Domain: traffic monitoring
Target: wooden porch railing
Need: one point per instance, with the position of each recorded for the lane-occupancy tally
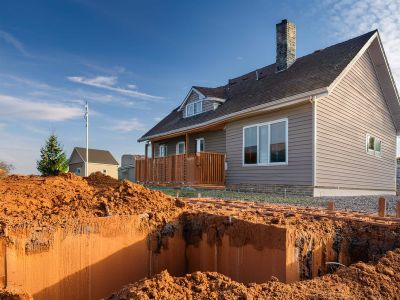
(192, 168)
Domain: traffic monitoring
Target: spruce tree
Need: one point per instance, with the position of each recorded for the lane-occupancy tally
(53, 160)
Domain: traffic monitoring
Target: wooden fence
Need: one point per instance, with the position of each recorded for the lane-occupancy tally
(192, 168)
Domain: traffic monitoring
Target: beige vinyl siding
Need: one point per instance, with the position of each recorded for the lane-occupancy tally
(214, 141)
(75, 157)
(207, 104)
(355, 108)
(192, 98)
(74, 166)
(171, 146)
(298, 171)
(110, 170)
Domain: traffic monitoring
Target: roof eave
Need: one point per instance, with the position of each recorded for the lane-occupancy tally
(283, 102)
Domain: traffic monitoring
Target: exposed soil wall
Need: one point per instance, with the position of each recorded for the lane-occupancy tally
(87, 262)
(359, 281)
(68, 237)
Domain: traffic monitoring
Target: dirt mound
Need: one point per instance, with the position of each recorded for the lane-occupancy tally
(359, 281)
(100, 180)
(35, 201)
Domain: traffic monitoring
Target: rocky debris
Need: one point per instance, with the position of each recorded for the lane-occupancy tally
(359, 281)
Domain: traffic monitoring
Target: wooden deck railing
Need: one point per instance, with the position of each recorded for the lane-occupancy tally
(192, 168)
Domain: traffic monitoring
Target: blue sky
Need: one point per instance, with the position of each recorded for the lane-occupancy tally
(134, 61)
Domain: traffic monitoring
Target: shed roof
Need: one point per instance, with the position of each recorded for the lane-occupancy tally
(97, 156)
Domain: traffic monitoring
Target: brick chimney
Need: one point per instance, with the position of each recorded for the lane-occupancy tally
(285, 45)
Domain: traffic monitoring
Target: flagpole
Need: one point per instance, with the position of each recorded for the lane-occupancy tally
(87, 139)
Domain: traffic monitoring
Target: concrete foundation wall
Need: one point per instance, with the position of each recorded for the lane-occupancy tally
(275, 189)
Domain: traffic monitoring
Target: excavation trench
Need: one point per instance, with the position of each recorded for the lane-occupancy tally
(91, 261)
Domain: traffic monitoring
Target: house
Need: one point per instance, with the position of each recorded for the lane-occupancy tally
(99, 161)
(324, 124)
(127, 169)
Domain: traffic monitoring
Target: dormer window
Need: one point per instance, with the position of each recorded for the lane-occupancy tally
(194, 108)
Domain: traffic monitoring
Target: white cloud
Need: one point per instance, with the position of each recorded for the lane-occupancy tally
(349, 18)
(128, 125)
(42, 91)
(132, 86)
(32, 110)
(102, 80)
(8, 38)
(127, 92)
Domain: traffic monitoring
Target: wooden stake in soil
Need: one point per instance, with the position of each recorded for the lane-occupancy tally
(398, 209)
(381, 207)
(331, 205)
(177, 194)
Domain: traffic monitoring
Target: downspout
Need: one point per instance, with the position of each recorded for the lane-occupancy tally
(314, 142)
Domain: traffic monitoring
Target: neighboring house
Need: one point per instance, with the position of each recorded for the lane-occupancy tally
(127, 169)
(99, 161)
(323, 124)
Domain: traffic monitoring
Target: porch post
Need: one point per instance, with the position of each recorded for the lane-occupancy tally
(185, 165)
(187, 143)
(146, 146)
(146, 150)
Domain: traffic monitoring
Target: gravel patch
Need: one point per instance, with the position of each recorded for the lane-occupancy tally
(368, 204)
(365, 204)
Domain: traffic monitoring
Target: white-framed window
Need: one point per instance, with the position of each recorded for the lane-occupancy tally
(162, 150)
(266, 143)
(200, 145)
(194, 108)
(198, 107)
(373, 145)
(180, 148)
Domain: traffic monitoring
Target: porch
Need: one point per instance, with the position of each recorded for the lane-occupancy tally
(202, 168)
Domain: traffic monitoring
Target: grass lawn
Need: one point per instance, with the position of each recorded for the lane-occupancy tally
(245, 196)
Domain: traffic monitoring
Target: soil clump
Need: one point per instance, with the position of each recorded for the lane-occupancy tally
(358, 281)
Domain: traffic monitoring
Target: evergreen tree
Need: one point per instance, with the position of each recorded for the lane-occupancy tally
(53, 159)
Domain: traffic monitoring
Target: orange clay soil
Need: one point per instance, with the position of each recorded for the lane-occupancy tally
(359, 281)
(37, 202)
(14, 294)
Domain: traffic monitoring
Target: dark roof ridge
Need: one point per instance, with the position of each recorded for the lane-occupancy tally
(231, 80)
(310, 72)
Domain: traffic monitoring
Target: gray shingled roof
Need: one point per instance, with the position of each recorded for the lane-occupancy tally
(308, 73)
(97, 156)
(218, 92)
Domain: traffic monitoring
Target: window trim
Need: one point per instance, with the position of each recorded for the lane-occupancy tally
(197, 145)
(177, 148)
(286, 120)
(165, 150)
(373, 152)
(193, 104)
